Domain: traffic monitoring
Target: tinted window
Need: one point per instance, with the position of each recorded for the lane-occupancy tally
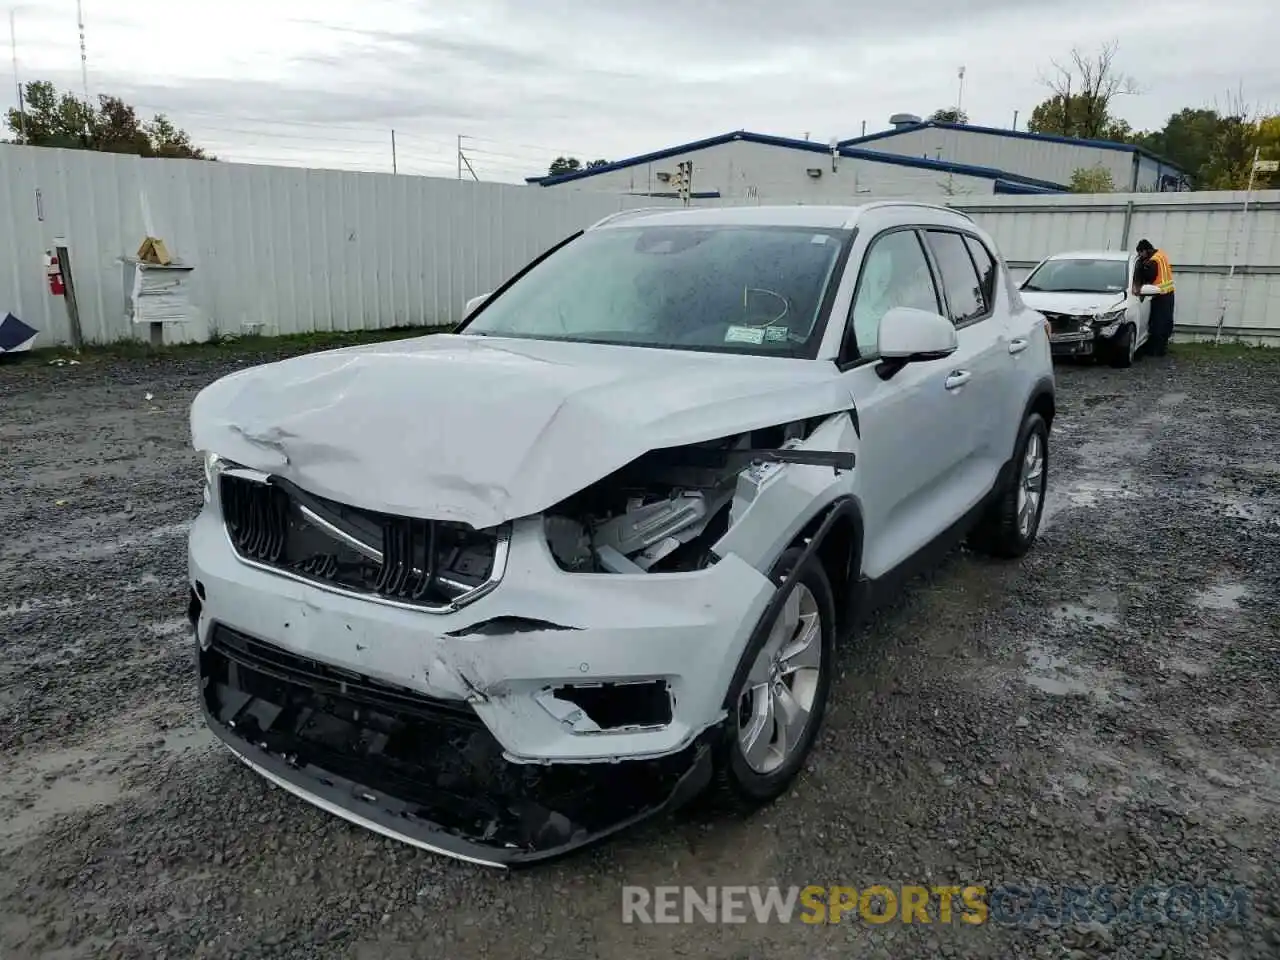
(964, 289)
(986, 270)
(1079, 276)
(895, 273)
(742, 289)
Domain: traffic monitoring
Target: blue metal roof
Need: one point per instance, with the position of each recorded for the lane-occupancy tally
(1012, 134)
(809, 146)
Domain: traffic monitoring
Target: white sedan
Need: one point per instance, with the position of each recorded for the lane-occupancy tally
(1088, 299)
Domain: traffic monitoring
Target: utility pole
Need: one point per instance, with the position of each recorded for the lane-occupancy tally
(463, 161)
(393, 152)
(22, 109)
(1015, 119)
(1254, 168)
(84, 64)
(960, 93)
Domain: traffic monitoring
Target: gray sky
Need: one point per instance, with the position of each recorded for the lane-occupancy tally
(323, 82)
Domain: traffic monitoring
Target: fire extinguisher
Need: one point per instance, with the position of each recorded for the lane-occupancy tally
(54, 272)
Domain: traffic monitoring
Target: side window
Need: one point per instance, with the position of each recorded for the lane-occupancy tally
(895, 273)
(986, 265)
(959, 277)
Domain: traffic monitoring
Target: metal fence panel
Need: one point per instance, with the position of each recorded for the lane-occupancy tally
(283, 250)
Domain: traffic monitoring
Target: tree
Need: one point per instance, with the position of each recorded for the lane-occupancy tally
(949, 115)
(54, 119)
(1081, 96)
(1095, 179)
(1186, 138)
(562, 165)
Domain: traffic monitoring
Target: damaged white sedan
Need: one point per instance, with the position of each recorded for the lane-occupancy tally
(502, 592)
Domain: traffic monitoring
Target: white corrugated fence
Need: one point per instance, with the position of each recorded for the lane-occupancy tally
(282, 250)
(1201, 232)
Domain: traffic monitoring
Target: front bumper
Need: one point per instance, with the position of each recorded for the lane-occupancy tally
(418, 770)
(1084, 342)
(499, 683)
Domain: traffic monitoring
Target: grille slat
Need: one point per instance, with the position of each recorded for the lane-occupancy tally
(432, 563)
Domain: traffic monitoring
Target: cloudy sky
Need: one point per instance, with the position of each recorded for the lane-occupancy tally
(323, 82)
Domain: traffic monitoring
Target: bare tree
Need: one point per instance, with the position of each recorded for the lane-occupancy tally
(1082, 94)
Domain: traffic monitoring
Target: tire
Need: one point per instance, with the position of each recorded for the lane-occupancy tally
(1125, 347)
(1000, 532)
(750, 776)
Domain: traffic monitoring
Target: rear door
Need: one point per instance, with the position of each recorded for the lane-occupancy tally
(910, 424)
(984, 357)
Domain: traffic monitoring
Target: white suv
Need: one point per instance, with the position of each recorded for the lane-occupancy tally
(501, 592)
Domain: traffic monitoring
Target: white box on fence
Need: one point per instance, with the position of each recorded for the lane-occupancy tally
(155, 293)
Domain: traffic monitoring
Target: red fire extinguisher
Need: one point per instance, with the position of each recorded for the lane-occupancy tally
(54, 272)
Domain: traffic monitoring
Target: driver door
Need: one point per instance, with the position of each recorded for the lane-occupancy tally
(910, 423)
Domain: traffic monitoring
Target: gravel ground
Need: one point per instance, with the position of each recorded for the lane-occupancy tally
(1103, 712)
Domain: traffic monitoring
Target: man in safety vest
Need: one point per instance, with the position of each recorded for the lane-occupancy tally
(1154, 268)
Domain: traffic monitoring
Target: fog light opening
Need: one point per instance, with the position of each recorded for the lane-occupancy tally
(618, 706)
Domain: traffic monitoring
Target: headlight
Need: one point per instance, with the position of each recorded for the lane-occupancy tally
(212, 466)
(1107, 319)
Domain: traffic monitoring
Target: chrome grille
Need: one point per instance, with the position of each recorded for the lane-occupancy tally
(429, 564)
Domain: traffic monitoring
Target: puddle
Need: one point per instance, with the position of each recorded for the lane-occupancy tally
(1053, 674)
(1241, 508)
(1097, 609)
(178, 626)
(50, 785)
(1225, 596)
(1089, 492)
(1186, 667)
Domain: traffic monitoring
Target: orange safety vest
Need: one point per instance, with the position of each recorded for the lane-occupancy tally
(1164, 272)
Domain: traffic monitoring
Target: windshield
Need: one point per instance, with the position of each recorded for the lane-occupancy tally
(1079, 276)
(757, 289)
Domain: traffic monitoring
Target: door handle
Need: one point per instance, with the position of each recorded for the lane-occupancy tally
(957, 378)
(1017, 345)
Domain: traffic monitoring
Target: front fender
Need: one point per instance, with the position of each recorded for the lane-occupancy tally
(774, 503)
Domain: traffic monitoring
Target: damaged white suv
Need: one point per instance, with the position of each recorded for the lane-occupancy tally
(501, 592)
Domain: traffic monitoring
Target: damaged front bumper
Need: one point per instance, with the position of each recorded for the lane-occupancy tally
(423, 771)
(549, 713)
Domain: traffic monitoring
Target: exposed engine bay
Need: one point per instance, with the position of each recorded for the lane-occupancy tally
(662, 512)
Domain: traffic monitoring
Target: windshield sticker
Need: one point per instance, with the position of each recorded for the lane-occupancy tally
(775, 334)
(820, 238)
(744, 335)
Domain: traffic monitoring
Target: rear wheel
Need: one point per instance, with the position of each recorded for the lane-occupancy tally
(1009, 527)
(779, 692)
(1125, 347)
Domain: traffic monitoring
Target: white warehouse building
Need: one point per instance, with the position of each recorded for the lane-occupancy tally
(913, 159)
(752, 166)
(1044, 156)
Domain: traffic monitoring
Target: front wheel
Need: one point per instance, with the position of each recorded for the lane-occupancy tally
(779, 693)
(1009, 527)
(1125, 347)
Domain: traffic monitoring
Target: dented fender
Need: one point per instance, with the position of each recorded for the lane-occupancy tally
(774, 503)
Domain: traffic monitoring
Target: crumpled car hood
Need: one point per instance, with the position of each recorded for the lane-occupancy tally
(1074, 304)
(483, 429)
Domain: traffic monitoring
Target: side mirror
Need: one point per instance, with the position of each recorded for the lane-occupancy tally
(908, 335)
(474, 304)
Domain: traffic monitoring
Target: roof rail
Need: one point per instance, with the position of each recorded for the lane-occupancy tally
(916, 203)
(627, 213)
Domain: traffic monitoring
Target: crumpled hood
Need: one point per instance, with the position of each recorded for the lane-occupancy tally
(1074, 304)
(484, 429)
